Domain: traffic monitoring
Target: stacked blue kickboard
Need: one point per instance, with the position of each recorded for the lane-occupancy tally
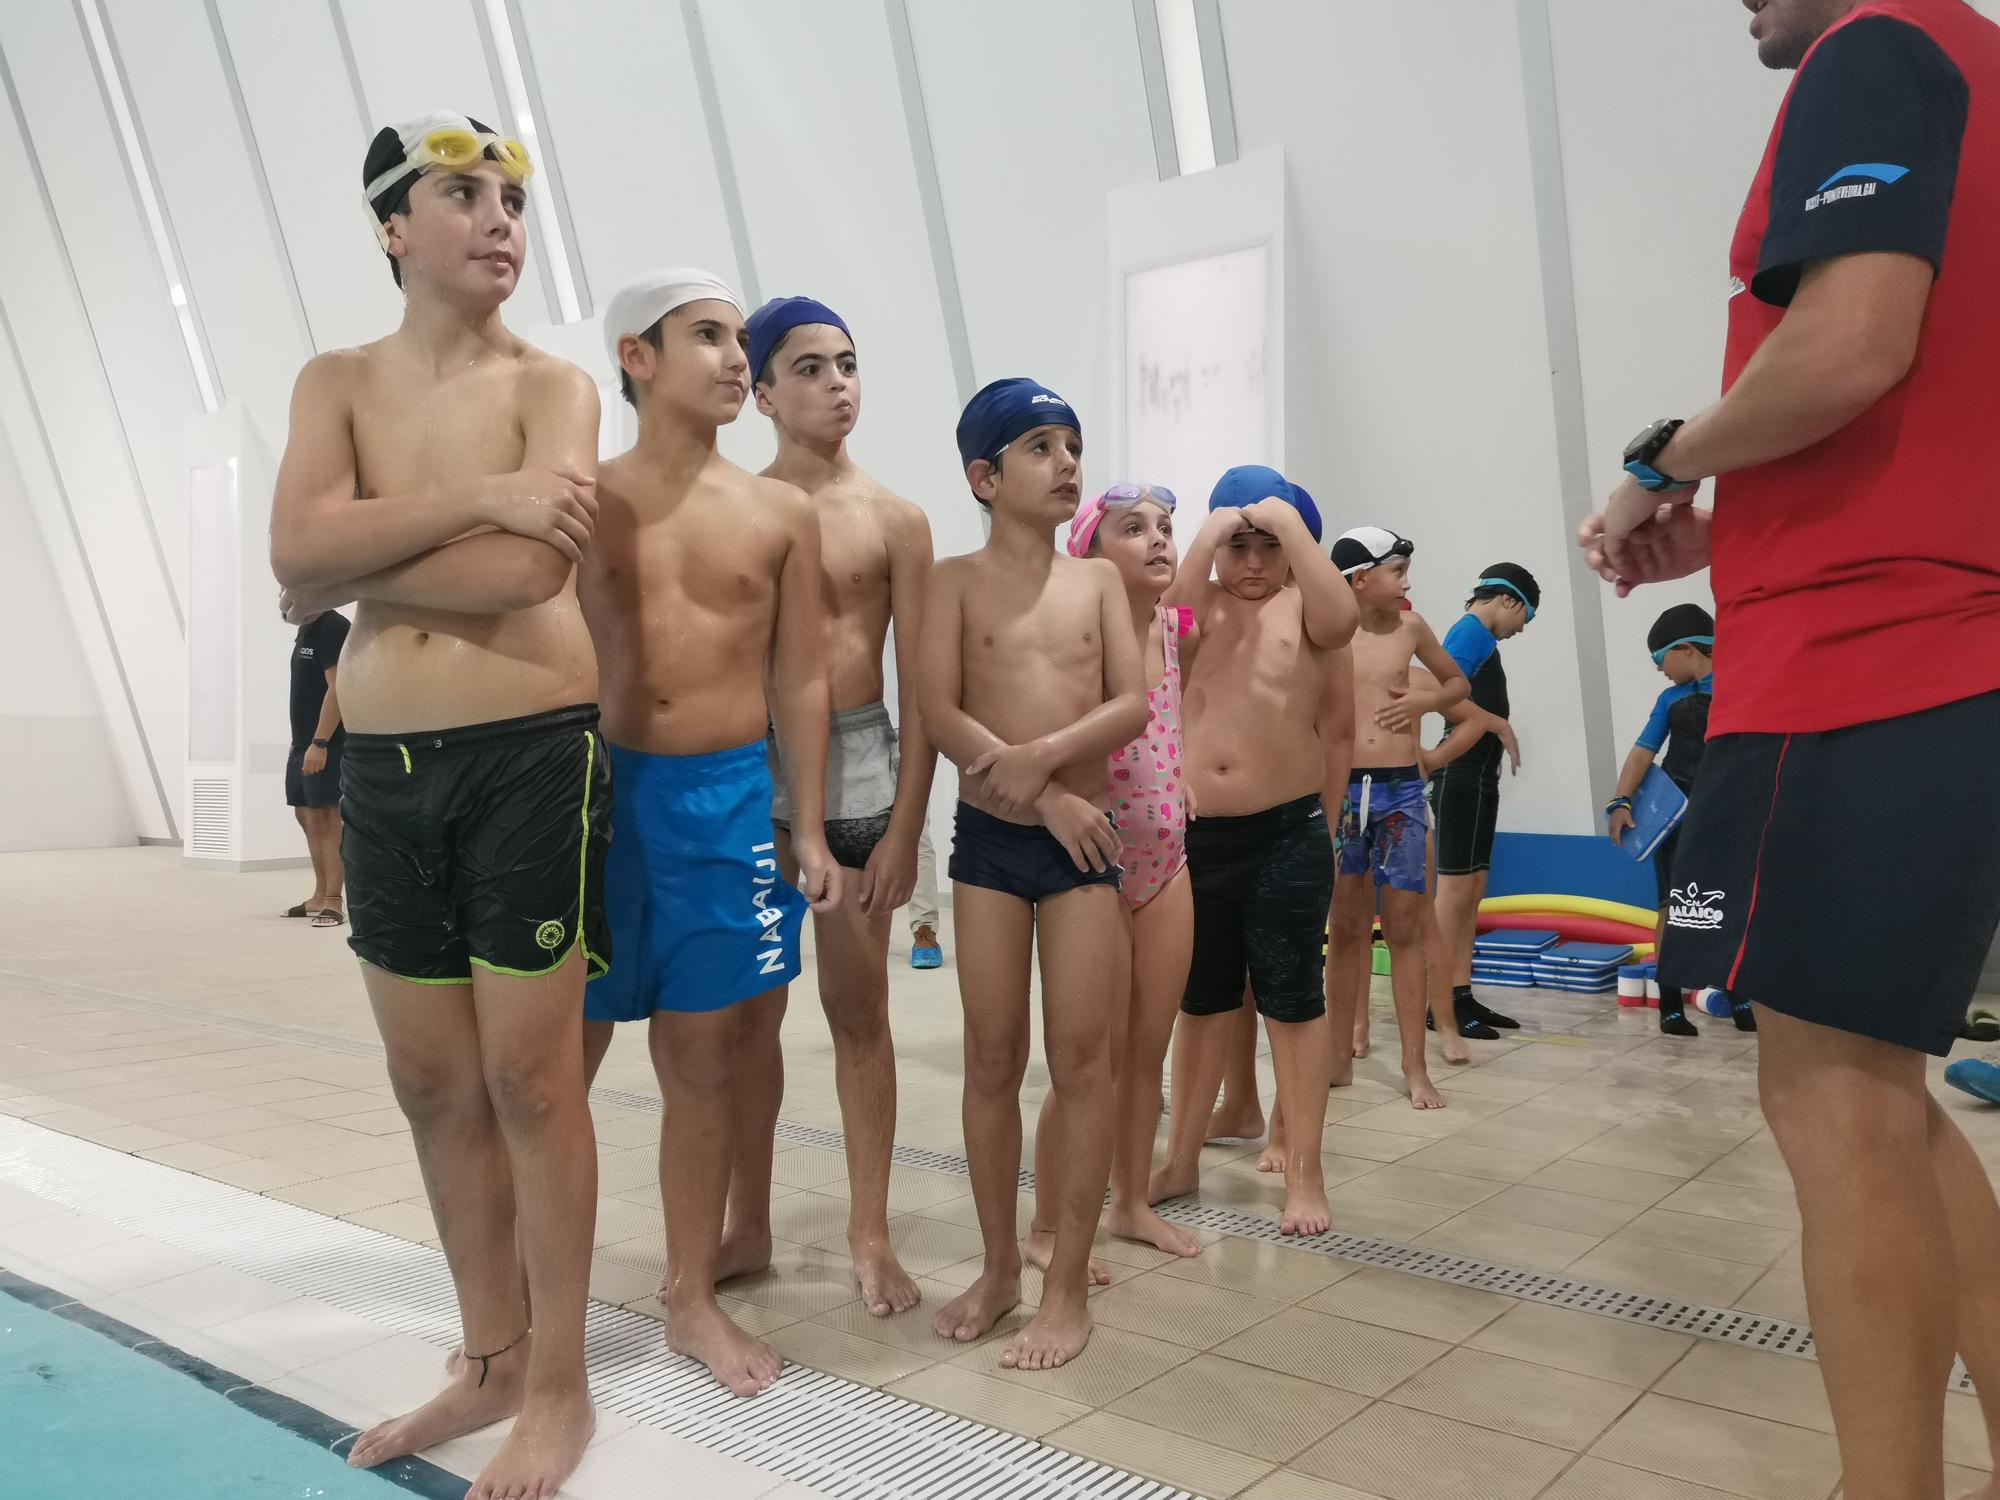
(1582, 968)
(1508, 959)
(1524, 960)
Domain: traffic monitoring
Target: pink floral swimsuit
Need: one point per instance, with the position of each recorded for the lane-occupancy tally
(1148, 785)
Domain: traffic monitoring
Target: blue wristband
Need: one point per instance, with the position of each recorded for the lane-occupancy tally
(1652, 479)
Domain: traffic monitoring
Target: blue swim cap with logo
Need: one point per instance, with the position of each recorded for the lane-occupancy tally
(1004, 410)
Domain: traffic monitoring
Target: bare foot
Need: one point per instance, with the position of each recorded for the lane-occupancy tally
(1273, 1157)
(1343, 1071)
(885, 1286)
(1305, 1205)
(1243, 1124)
(703, 1331)
(1040, 1248)
(1360, 1043)
(462, 1406)
(1173, 1180)
(1984, 1492)
(1423, 1093)
(1054, 1336)
(973, 1312)
(541, 1452)
(1455, 1051)
(1147, 1227)
(741, 1254)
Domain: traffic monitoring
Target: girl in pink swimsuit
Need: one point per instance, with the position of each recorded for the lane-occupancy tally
(1132, 526)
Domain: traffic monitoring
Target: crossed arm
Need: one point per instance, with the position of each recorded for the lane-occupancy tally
(428, 548)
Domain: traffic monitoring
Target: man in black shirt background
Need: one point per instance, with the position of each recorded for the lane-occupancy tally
(312, 770)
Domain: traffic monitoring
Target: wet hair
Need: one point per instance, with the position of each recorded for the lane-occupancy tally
(652, 336)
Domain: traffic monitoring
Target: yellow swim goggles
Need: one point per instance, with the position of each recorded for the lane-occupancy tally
(453, 149)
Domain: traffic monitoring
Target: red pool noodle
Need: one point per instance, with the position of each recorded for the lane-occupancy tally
(1574, 929)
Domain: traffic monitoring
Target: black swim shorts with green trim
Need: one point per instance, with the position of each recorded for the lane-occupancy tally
(479, 845)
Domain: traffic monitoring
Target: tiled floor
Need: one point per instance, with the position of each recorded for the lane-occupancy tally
(1587, 1145)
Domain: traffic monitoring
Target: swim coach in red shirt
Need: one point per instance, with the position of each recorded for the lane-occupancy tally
(1840, 865)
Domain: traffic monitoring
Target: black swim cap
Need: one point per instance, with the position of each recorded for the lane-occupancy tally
(1681, 623)
(1505, 578)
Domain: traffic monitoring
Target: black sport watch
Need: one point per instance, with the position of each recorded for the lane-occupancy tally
(1643, 449)
(324, 744)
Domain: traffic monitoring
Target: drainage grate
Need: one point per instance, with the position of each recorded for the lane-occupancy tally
(843, 1439)
(1726, 1325)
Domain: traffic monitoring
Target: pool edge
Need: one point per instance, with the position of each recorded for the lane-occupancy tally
(416, 1475)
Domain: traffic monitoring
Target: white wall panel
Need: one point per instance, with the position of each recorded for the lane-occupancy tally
(312, 139)
(208, 182)
(619, 92)
(65, 395)
(62, 787)
(1654, 187)
(1034, 121)
(111, 250)
(1417, 281)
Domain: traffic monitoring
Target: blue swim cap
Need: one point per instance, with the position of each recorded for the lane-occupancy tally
(1246, 484)
(769, 324)
(1004, 410)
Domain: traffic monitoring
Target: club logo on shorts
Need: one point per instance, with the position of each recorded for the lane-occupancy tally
(549, 936)
(1695, 908)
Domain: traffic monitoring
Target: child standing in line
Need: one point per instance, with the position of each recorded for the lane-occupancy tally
(1682, 641)
(1132, 525)
(1385, 829)
(1030, 680)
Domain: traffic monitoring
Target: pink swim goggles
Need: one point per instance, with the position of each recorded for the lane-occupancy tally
(1090, 514)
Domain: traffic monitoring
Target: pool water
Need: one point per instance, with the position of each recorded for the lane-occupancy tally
(82, 1414)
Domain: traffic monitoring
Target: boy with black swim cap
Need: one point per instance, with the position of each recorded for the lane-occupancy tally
(442, 477)
(1031, 679)
(1682, 644)
(1466, 793)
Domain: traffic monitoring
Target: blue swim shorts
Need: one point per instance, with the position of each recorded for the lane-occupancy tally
(701, 917)
(1383, 826)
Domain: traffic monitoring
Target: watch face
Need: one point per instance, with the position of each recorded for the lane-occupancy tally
(1646, 443)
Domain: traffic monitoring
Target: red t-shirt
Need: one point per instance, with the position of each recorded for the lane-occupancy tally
(1859, 579)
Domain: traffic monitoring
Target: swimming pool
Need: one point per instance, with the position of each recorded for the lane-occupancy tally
(93, 1408)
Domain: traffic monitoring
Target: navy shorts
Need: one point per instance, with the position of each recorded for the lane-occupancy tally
(1016, 859)
(1808, 880)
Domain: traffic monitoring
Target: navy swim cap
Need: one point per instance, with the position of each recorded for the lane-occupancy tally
(769, 324)
(1246, 484)
(1004, 410)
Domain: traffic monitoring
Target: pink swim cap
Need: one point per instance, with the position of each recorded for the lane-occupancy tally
(1090, 512)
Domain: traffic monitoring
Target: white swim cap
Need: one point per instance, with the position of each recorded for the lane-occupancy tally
(641, 303)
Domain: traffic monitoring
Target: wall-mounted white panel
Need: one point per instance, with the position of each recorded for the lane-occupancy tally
(208, 181)
(1415, 282)
(132, 321)
(58, 389)
(619, 95)
(313, 139)
(61, 788)
(1654, 191)
(1197, 372)
(1034, 121)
